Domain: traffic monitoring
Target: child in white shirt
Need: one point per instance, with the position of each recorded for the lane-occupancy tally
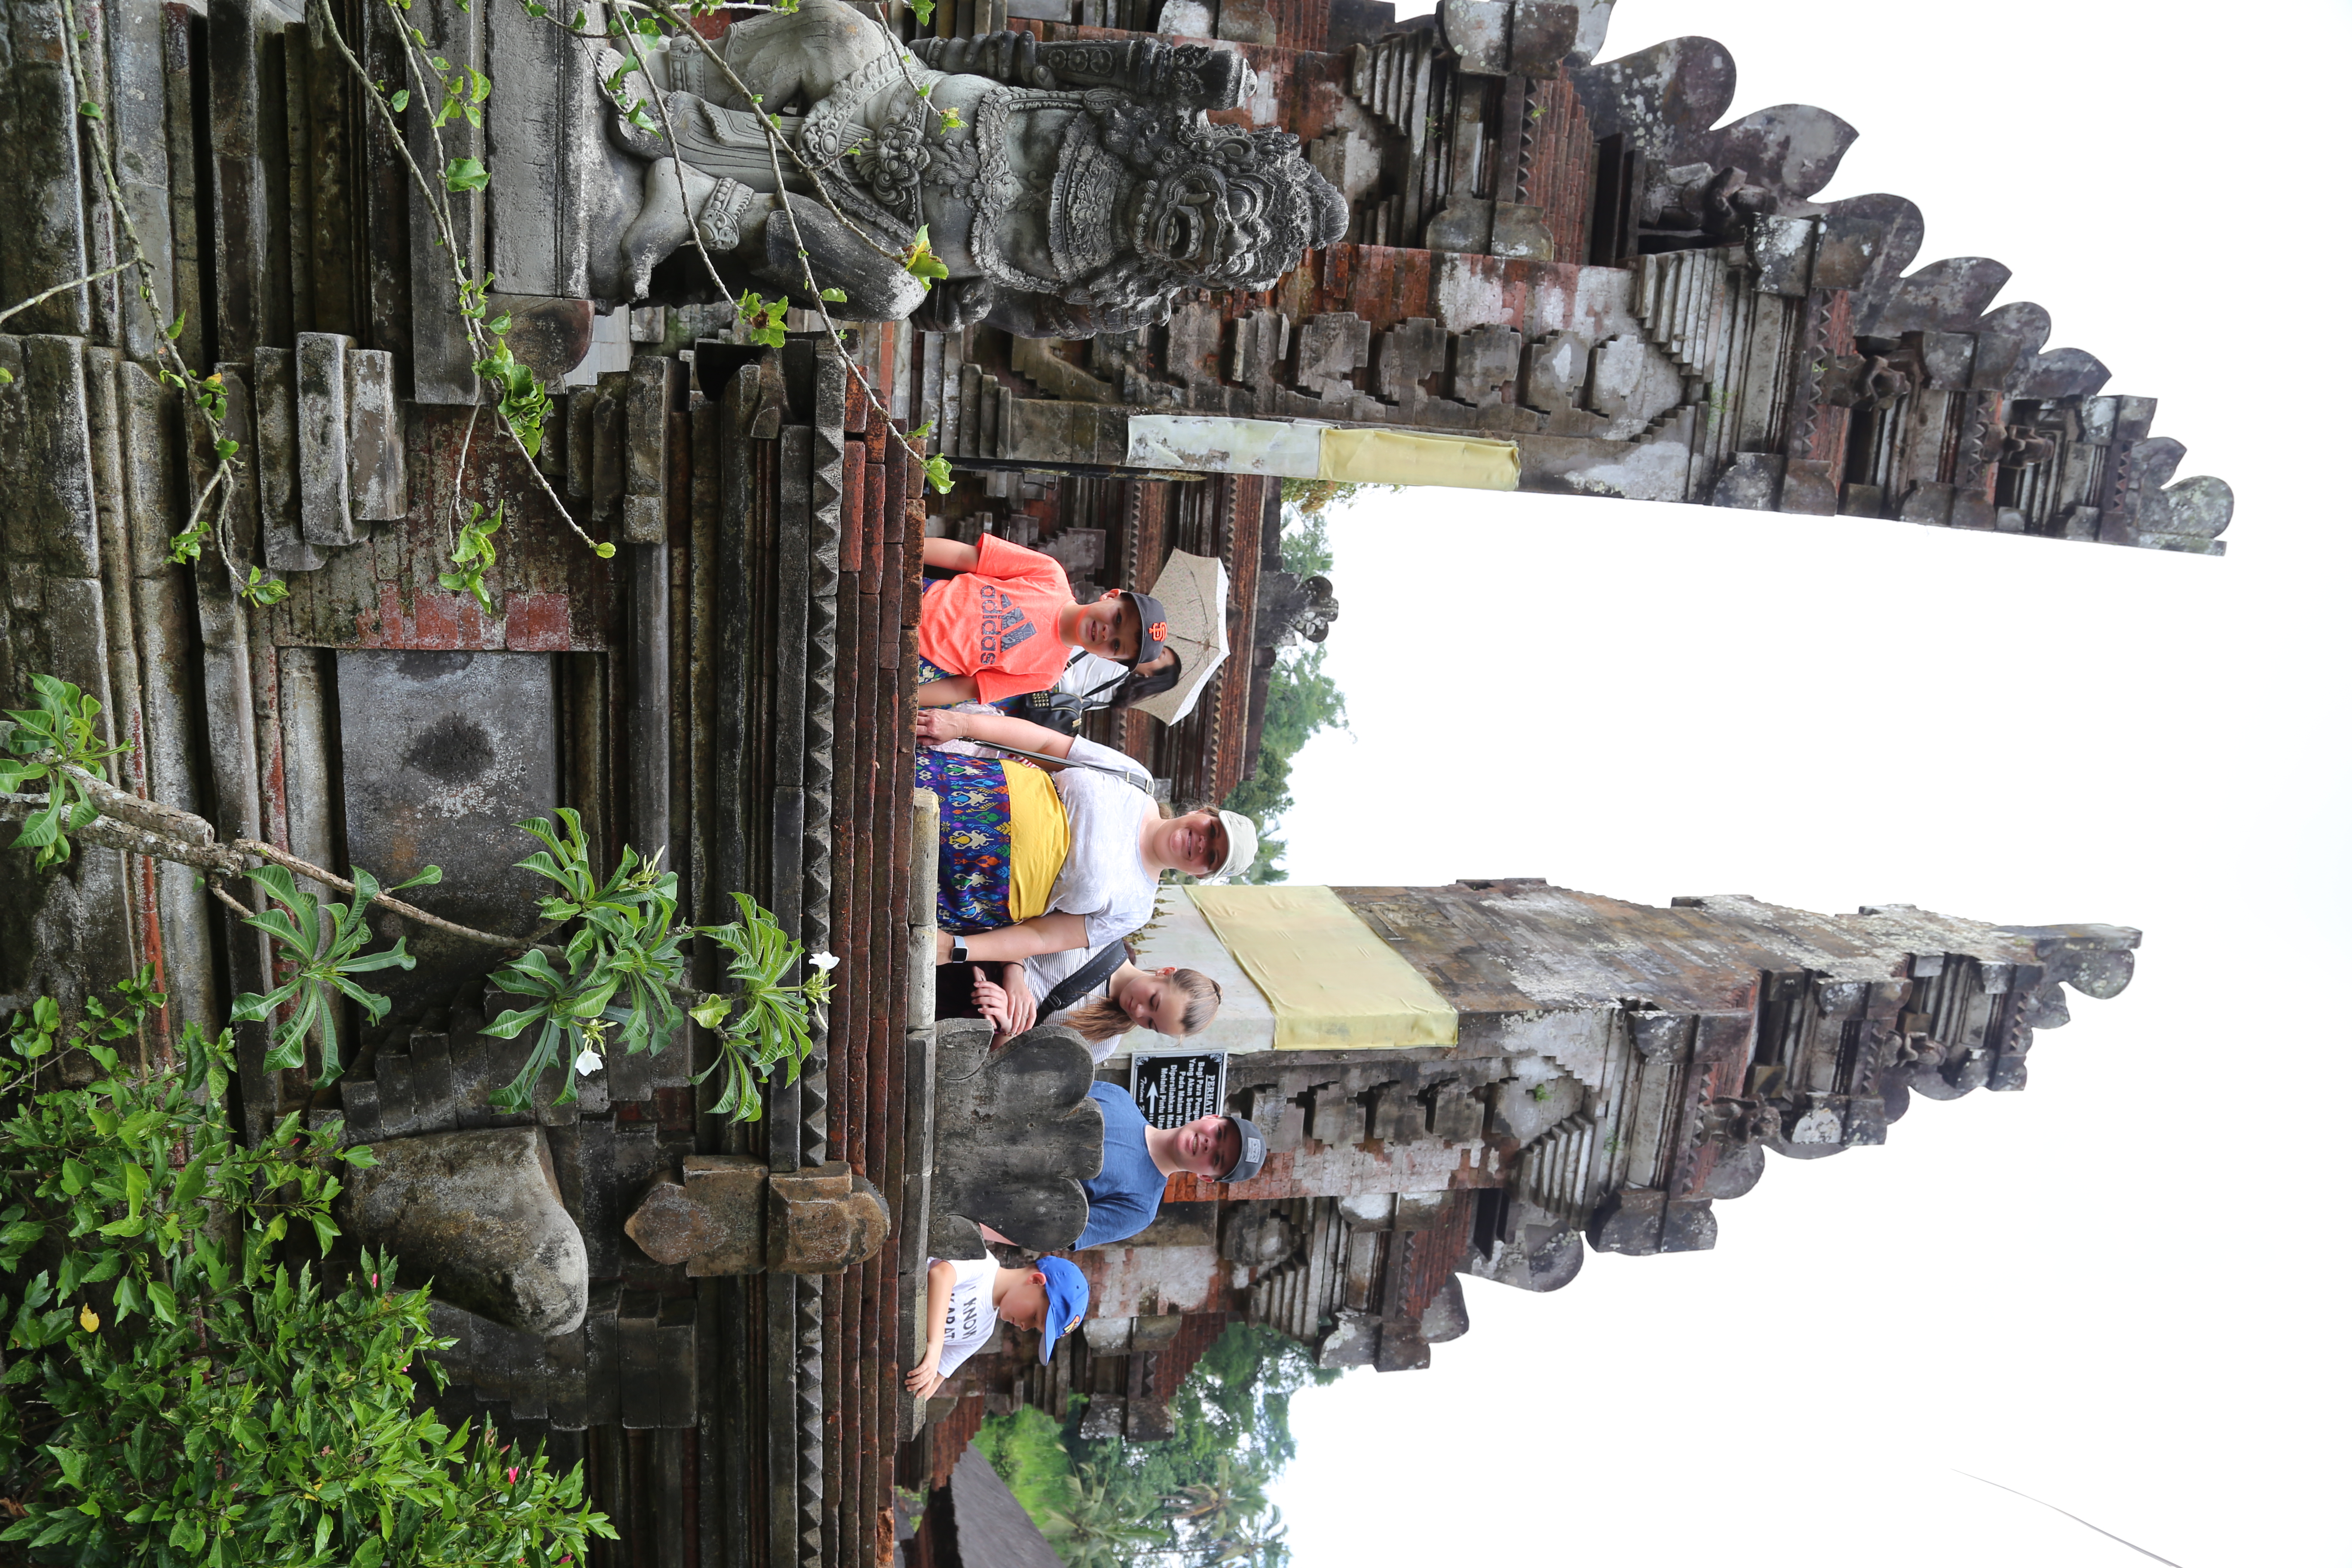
(968, 1296)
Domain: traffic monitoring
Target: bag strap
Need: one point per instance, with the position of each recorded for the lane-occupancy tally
(1112, 684)
(1098, 969)
(1138, 780)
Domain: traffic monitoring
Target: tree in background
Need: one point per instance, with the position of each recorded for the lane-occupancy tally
(1197, 1498)
(1301, 701)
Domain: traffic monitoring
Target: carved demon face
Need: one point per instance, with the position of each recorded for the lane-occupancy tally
(1205, 206)
(1237, 213)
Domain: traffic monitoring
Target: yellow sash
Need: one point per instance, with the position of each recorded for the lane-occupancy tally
(1038, 836)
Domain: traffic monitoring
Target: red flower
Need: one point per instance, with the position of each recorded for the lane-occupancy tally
(512, 1471)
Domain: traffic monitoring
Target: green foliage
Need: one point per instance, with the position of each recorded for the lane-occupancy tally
(57, 734)
(318, 951)
(770, 1022)
(1301, 701)
(462, 92)
(257, 590)
(763, 320)
(465, 175)
(475, 553)
(189, 542)
(523, 403)
(1098, 1529)
(1306, 538)
(1200, 1497)
(623, 966)
(175, 1394)
(623, 939)
(1025, 1451)
(1312, 498)
(921, 260)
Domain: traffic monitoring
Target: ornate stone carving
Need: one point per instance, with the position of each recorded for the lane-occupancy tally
(1069, 188)
(1291, 607)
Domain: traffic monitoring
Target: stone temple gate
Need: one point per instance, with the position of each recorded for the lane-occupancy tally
(1537, 268)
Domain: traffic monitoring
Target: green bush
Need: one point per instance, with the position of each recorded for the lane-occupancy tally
(1025, 1450)
(175, 1393)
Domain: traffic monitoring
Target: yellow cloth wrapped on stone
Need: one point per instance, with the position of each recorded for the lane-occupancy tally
(1038, 836)
(1412, 457)
(1330, 979)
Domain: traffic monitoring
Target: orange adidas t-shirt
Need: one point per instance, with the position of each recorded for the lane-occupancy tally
(998, 624)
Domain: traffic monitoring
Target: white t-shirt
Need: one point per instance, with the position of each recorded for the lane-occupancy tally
(1105, 879)
(1089, 671)
(971, 1312)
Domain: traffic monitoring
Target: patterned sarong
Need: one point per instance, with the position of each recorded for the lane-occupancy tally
(975, 838)
(1003, 839)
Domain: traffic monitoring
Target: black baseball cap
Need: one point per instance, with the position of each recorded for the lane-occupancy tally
(1251, 1159)
(1152, 617)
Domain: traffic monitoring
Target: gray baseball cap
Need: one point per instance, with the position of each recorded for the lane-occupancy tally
(1253, 1154)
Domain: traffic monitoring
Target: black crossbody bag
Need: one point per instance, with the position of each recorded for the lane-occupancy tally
(1062, 711)
(1093, 972)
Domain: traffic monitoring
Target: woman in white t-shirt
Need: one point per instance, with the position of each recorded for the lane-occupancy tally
(1028, 867)
(1169, 1001)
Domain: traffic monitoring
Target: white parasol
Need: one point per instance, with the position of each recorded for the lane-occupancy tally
(1191, 588)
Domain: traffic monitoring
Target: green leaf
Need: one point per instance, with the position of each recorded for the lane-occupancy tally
(523, 403)
(833, 296)
(259, 590)
(399, 100)
(466, 174)
(921, 260)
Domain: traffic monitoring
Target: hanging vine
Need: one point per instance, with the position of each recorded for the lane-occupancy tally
(205, 395)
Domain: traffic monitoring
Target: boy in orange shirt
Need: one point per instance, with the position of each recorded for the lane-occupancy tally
(1005, 624)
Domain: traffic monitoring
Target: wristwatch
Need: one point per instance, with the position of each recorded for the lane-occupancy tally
(957, 953)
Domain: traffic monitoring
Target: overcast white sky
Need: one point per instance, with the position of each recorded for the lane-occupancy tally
(2122, 1289)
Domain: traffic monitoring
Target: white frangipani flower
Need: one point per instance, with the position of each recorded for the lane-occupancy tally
(588, 1062)
(822, 962)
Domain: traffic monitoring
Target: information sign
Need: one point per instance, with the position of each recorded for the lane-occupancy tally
(1176, 1086)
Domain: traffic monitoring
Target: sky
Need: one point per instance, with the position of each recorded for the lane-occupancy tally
(2120, 1291)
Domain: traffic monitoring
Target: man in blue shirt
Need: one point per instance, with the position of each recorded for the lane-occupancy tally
(1139, 1158)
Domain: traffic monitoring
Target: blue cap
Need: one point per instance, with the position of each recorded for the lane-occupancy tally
(1065, 1300)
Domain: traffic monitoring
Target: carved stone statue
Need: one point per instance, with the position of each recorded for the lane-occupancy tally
(1290, 607)
(1069, 188)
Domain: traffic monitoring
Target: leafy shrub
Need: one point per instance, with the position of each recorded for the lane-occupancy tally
(175, 1393)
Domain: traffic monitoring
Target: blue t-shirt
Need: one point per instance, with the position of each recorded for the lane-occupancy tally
(1124, 1198)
